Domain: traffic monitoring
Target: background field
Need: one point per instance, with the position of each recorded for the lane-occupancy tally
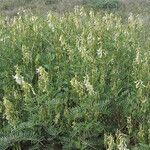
(11, 6)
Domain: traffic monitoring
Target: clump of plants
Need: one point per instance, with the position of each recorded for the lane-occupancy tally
(74, 81)
(104, 4)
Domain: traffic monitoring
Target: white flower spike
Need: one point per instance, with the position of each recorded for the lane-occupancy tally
(19, 79)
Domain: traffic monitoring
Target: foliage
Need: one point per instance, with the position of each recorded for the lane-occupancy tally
(74, 81)
(105, 4)
(11, 7)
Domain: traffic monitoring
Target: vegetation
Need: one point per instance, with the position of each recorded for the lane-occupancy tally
(74, 81)
(8, 7)
(104, 4)
(74, 78)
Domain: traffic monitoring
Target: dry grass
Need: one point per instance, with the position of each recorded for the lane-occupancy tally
(10, 7)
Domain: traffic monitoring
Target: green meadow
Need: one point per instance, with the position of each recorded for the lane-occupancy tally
(74, 75)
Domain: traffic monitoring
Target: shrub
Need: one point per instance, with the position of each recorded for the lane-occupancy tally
(74, 81)
(104, 4)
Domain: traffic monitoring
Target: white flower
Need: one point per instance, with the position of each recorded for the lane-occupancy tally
(88, 85)
(39, 70)
(131, 17)
(100, 53)
(139, 84)
(51, 26)
(19, 79)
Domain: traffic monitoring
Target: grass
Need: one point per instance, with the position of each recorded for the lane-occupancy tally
(123, 7)
(74, 80)
(83, 84)
(10, 8)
